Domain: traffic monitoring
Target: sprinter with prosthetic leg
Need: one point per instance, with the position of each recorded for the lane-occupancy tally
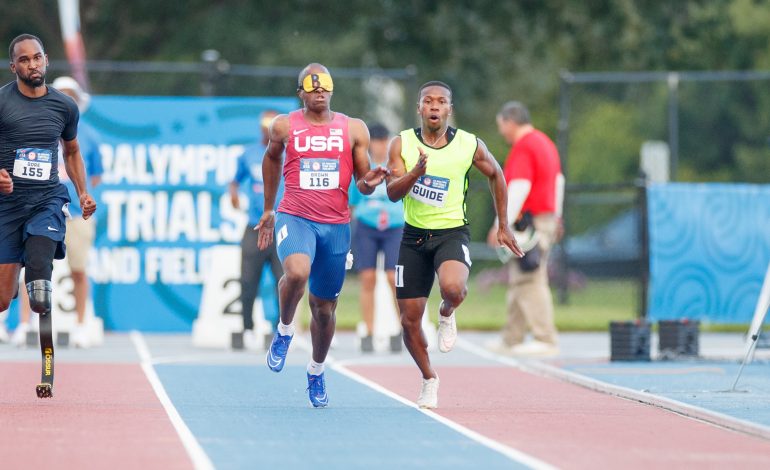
(34, 121)
(39, 253)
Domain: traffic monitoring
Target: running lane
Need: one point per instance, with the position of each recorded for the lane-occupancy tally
(101, 416)
(250, 417)
(706, 384)
(572, 427)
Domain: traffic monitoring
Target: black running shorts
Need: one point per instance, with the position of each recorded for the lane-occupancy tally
(421, 253)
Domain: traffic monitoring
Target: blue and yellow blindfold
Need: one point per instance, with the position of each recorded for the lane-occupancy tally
(314, 81)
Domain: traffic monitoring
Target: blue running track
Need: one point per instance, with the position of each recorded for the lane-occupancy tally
(250, 417)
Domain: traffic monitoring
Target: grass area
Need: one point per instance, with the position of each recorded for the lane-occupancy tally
(597, 304)
(725, 327)
(589, 309)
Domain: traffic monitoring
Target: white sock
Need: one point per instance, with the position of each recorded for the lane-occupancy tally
(284, 330)
(444, 319)
(315, 368)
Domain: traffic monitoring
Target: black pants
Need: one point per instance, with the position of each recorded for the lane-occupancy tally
(252, 262)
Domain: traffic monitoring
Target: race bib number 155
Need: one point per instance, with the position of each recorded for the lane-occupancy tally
(32, 164)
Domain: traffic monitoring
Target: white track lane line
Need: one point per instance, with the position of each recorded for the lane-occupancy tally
(503, 449)
(704, 415)
(199, 458)
(509, 452)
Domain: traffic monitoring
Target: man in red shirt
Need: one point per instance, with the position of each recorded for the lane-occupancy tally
(535, 193)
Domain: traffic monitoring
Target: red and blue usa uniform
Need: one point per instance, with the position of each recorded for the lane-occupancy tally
(313, 216)
(317, 170)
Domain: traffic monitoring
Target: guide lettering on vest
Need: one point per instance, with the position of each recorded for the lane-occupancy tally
(431, 190)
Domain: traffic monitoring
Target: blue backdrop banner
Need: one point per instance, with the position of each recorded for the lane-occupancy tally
(164, 203)
(709, 250)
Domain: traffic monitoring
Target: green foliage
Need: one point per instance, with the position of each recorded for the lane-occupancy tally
(753, 163)
(590, 308)
(489, 51)
(606, 138)
(39, 18)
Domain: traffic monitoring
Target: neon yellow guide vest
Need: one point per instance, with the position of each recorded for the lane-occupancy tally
(437, 199)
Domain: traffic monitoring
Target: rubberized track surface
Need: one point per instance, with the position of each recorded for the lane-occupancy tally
(101, 416)
(155, 402)
(572, 427)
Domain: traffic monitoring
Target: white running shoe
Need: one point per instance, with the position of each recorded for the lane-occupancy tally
(447, 332)
(428, 398)
(80, 337)
(19, 337)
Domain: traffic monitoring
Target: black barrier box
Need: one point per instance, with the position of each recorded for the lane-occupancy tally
(236, 340)
(629, 341)
(677, 338)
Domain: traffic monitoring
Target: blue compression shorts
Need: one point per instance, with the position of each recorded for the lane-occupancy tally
(327, 246)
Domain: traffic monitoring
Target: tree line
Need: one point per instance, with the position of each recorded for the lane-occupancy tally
(489, 51)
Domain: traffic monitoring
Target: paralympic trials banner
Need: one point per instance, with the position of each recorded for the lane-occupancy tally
(709, 250)
(163, 203)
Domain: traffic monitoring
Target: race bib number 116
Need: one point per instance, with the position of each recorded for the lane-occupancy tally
(319, 173)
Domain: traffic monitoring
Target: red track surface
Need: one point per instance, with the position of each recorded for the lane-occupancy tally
(572, 427)
(101, 416)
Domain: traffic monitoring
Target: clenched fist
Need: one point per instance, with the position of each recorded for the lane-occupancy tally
(87, 205)
(6, 182)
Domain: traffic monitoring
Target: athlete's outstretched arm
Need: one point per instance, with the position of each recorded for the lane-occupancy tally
(272, 163)
(76, 170)
(486, 163)
(401, 181)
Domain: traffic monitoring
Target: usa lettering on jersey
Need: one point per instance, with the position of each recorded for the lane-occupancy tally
(318, 143)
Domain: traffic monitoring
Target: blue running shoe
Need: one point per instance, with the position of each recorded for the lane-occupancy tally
(316, 388)
(276, 355)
